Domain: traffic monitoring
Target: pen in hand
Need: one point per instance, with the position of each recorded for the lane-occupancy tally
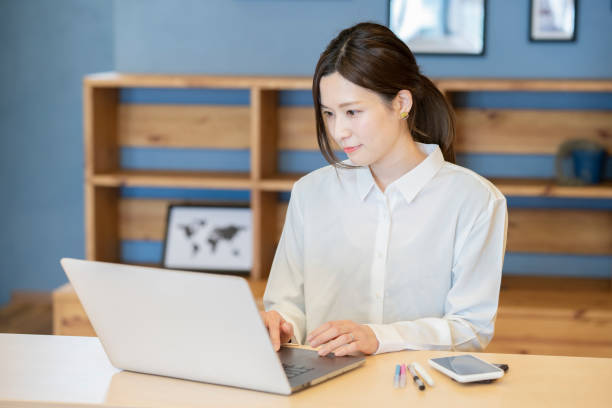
(416, 378)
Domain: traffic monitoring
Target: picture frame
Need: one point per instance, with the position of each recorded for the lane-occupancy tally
(209, 237)
(440, 27)
(553, 20)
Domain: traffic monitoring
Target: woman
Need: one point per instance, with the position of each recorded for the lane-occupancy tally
(396, 247)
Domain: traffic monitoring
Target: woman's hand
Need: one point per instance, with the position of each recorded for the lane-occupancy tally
(279, 329)
(343, 337)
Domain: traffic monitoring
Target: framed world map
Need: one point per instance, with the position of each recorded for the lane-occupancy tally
(209, 238)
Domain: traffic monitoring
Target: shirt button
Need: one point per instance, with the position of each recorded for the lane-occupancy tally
(379, 255)
(378, 295)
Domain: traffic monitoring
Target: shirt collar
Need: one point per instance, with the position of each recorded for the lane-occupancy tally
(410, 183)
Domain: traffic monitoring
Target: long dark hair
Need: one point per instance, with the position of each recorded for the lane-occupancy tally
(371, 56)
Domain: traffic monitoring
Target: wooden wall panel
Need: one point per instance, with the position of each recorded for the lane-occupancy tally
(516, 131)
(557, 231)
(199, 126)
(297, 128)
(143, 220)
(529, 131)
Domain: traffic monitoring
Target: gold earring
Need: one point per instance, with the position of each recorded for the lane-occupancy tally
(403, 115)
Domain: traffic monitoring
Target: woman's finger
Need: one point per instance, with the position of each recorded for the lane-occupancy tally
(335, 344)
(335, 329)
(274, 330)
(347, 349)
(286, 331)
(318, 331)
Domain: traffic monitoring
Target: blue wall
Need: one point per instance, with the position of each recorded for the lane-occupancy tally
(252, 37)
(47, 47)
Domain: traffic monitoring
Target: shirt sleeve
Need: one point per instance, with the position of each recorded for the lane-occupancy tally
(285, 288)
(471, 304)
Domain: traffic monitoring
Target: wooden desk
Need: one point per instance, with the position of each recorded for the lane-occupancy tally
(60, 371)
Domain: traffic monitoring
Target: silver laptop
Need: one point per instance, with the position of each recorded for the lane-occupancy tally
(191, 325)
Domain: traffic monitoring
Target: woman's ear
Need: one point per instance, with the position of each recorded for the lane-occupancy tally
(403, 102)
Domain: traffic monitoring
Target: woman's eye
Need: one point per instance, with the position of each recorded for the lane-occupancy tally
(351, 112)
(327, 113)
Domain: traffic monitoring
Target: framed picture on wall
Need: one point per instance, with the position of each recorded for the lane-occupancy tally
(447, 27)
(211, 237)
(553, 20)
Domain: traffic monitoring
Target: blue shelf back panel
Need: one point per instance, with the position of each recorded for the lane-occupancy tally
(171, 96)
(514, 264)
(184, 194)
(141, 158)
(534, 100)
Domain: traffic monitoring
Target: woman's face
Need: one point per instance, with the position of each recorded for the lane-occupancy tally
(368, 130)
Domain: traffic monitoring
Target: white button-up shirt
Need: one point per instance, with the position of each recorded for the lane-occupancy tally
(420, 263)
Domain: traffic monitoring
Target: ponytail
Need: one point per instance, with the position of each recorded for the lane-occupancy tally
(431, 118)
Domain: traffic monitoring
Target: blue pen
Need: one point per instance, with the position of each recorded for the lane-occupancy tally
(396, 379)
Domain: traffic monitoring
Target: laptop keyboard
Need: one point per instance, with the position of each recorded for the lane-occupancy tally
(294, 370)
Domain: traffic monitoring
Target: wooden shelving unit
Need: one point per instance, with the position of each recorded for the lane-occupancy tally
(109, 125)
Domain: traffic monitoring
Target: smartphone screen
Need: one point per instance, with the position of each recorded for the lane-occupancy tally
(466, 365)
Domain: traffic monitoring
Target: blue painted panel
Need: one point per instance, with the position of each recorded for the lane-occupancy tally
(516, 165)
(142, 251)
(185, 194)
(534, 100)
(514, 263)
(184, 96)
(554, 202)
(295, 98)
(139, 158)
(558, 265)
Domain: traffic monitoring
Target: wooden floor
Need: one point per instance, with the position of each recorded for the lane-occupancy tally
(547, 316)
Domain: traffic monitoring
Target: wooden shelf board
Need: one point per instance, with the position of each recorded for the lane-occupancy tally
(509, 187)
(549, 188)
(184, 179)
(280, 182)
(553, 85)
(117, 80)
